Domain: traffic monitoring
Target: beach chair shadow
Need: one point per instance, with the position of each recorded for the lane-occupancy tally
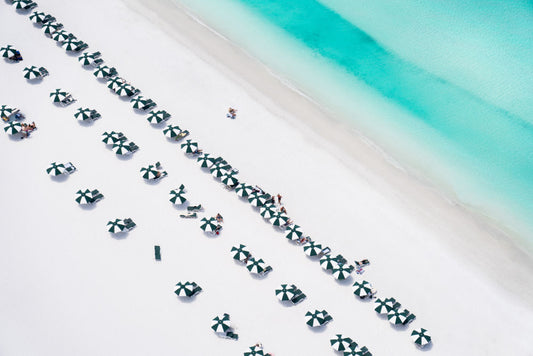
(345, 282)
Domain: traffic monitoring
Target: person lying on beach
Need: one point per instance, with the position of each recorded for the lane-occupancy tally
(27, 129)
(283, 210)
(198, 151)
(289, 222)
(219, 218)
(257, 189)
(302, 240)
(279, 198)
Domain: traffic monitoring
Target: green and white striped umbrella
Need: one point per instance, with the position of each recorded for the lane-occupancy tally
(342, 272)
(383, 306)
(55, 169)
(116, 226)
(32, 72)
(208, 225)
(279, 219)
(354, 352)
(185, 289)
(114, 83)
(268, 211)
(58, 95)
(13, 128)
(244, 190)
(420, 337)
(229, 179)
(257, 199)
(240, 253)
(328, 263)
(176, 197)
(70, 44)
(221, 324)
(121, 148)
(362, 289)
(171, 131)
(293, 232)
(255, 351)
(49, 28)
(139, 102)
(341, 343)
(5, 111)
(189, 146)
(205, 160)
(37, 17)
(83, 114)
(125, 90)
(149, 172)
(218, 171)
(285, 292)
(314, 319)
(313, 249)
(8, 51)
(103, 71)
(110, 137)
(156, 117)
(20, 4)
(255, 266)
(396, 317)
(61, 36)
(84, 197)
(86, 59)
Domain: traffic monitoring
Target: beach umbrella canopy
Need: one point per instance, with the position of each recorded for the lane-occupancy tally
(83, 114)
(155, 117)
(229, 179)
(86, 59)
(293, 232)
(341, 343)
(279, 219)
(240, 253)
(420, 337)
(58, 95)
(396, 317)
(362, 289)
(257, 199)
(114, 83)
(125, 90)
(5, 111)
(342, 272)
(37, 17)
(285, 292)
(70, 44)
(353, 352)
(121, 149)
(268, 211)
(110, 137)
(221, 324)
(176, 197)
(327, 262)
(139, 102)
(8, 51)
(313, 249)
(255, 266)
(20, 4)
(49, 28)
(171, 131)
(116, 226)
(149, 172)
(103, 71)
(220, 170)
(13, 128)
(255, 351)
(31, 72)
(189, 146)
(61, 36)
(208, 225)
(84, 197)
(244, 190)
(55, 169)
(205, 160)
(383, 306)
(314, 319)
(185, 289)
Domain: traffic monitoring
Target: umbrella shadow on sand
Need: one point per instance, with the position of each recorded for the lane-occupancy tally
(86, 123)
(187, 299)
(120, 235)
(125, 157)
(87, 206)
(319, 329)
(35, 81)
(60, 178)
(345, 282)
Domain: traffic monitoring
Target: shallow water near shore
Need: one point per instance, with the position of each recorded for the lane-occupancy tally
(471, 136)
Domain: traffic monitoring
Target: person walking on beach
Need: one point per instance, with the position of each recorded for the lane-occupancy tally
(232, 113)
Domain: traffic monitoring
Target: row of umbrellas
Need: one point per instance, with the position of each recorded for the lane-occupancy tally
(23, 4)
(119, 143)
(54, 30)
(256, 266)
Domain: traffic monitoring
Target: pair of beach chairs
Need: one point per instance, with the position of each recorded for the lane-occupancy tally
(129, 224)
(69, 99)
(192, 211)
(17, 57)
(69, 168)
(299, 296)
(95, 196)
(15, 114)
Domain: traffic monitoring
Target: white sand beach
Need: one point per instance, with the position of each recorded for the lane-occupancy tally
(69, 287)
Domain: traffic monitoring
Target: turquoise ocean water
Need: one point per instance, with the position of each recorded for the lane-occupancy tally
(446, 88)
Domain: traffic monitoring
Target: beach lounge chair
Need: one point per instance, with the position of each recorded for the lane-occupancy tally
(48, 18)
(194, 207)
(182, 135)
(43, 71)
(231, 335)
(189, 216)
(129, 224)
(266, 271)
(150, 104)
(96, 195)
(97, 62)
(362, 263)
(157, 251)
(325, 251)
(340, 260)
(299, 296)
(95, 115)
(327, 317)
(364, 351)
(197, 289)
(409, 318)
(81, 46)
(68, 100)
(17, 57)
(29, 5)
(69, 168)
(133, 147)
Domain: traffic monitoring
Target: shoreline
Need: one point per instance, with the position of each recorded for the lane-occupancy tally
(352, 149)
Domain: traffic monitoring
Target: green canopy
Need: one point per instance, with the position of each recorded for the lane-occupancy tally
(255, 266)
(362, 289)
(50, 28)
(150, 172)
(341, 343)
(58, 95)
(208, 225)
(55, 169)
(84, 197)
(171, 131)
(121, 149)
(125, 90)
(240, 253)
(314, 319)
(313, 249)
(293, 232)
(342, 272)
(32, 72)
(8, 51)
(62, 36)
(383, 306)
(279, 219)
(396, 317)
(114, 83)
(244, 190)
(176, 197)
(37, 17)
(355, 352)
(205, 160)
(268, 211)
(328, 262)
(110, 137)
(221, 324)
(104, 71)
(70, 44)
(229, 179)
(20, 4)
(218, 171)
(156, 117)
(140, 102)
(420, 337)
(185, 289)
(83, 114)
(255, 350)
(257, 199)
(285, 292)
(116, 226)
(5, 111)
(13, 128)
(86, 58)
(189, 146)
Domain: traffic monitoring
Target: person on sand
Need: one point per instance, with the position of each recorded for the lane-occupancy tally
(279, 198)
(283, 210)
(232, 113)
(27, 129)
(219, 218)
